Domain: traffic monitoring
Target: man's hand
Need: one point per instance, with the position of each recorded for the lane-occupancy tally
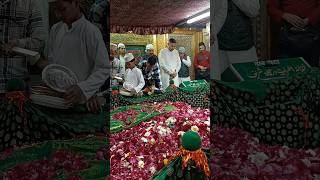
(173, 75)
(295, 29)
(94, 104)
(294, 20)
(133, 91)
(73, 95)
(201, 67)
(6, 49)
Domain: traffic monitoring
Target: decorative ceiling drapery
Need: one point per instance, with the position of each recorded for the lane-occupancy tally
(152, 16)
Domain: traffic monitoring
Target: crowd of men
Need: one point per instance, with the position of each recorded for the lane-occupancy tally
(171, 66)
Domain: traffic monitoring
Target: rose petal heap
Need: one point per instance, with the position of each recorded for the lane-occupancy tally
(69, 161)
(36, 170)
(75, 177)
(238, 155)
(139, 152)
(48, 169)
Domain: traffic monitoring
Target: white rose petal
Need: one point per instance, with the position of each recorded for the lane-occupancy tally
(140, 157)
(147, 134)
(114, 147)
(152, 170)
(164, 156)
(180, 133)
(126, 164)
(141, 164)
(144, 139)
(194, 128)
(152, 141)
(207, 123)
(258, 158)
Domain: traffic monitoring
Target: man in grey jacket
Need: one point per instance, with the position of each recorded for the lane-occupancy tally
(232, 33)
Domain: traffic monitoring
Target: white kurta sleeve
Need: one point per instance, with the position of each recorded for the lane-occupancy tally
(162, 63)
(187, 61)
(49, 53)
(141, 81)
(101, 71)
(178, 63)
(249, 7)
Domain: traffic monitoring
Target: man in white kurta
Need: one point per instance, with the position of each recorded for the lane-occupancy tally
(81, 48)
(170, 64)
(222, 59)
(134, 81)
(122, 53)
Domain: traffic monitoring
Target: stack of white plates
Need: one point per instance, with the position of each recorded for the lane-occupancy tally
(125, 92)
(58, 77)
(49, 101)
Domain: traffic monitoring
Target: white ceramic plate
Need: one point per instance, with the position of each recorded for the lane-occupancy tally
(58, 77)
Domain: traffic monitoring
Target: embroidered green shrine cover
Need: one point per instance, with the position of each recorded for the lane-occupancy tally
(270, 109)
(149, 111)
(194, 84)
(196, 97)
(41, 123)
(97, 170)
(174, 170)
(266, 70)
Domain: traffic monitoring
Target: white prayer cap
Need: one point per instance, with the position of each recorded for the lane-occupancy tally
(121, 45)
(113, 46)
(128, 57)
(149, 46)
(182, 50)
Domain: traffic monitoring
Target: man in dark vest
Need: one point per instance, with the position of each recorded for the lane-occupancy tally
(232, 31)
(300, 28)
(184, 73)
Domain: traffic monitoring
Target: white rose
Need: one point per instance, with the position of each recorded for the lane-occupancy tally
(152, 170)
(207, 123)
(147, 134)
(144, 139)
(194, 128)
(152, 141)
(141, 164)
(180, 133)
(126, 164)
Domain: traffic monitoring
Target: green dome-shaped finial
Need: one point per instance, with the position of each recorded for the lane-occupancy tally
(191, 141)
(16, 85)
(171, 81)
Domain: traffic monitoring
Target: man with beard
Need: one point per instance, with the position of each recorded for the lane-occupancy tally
(170, 64)
(78, 45)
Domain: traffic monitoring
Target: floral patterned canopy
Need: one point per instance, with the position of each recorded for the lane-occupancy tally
(152, 16)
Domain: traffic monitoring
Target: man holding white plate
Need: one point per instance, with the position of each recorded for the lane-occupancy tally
(78, 45)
